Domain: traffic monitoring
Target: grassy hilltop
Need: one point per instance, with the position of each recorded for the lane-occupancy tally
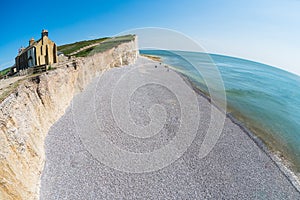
(103, 45)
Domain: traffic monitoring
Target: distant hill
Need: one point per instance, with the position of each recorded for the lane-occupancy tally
(96, 45)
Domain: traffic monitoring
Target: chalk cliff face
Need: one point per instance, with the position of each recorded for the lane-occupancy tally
(27, 114)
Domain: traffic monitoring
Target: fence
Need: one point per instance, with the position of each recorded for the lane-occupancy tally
(33, 70)
(37, 69)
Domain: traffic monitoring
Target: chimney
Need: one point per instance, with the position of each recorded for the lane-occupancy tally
(44, 33)
(31, 41)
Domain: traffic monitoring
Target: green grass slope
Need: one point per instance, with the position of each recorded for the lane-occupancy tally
(106, 43)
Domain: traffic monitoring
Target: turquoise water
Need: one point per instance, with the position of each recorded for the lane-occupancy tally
(265, 99)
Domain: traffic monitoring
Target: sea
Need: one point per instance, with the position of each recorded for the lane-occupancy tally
(264, 99)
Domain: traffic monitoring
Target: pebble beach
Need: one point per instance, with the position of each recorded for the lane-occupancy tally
(235, 168)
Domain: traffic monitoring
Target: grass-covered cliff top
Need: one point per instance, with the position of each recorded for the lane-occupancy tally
(70, 48)
(104, 44)
(4, 72)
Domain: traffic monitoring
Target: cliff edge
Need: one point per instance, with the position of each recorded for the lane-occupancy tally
(27, 114)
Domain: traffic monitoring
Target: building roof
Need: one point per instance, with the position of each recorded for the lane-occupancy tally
(26, 49)
(60, 53)
(30, 46)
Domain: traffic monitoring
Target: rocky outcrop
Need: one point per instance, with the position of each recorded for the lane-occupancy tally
(28, 113)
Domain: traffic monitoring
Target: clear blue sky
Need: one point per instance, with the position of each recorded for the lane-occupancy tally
(266, 31)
